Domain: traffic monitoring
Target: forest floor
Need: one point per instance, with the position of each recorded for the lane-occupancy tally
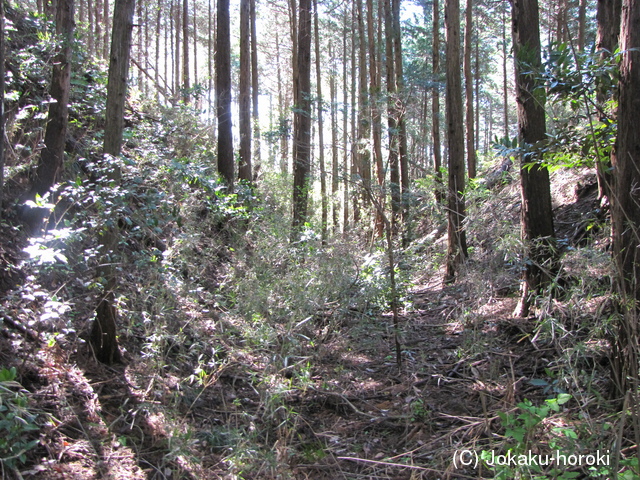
(340, 407)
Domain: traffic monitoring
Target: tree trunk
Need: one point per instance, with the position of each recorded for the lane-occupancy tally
(374, 94)
(244, 94)
(625, 218)
(435, 103)
(2, 88)
(403, 154)
(106, 17)
(468, 90)
(335, 204)
(505, 81)
(104, 338)
(323, 172)
(354, 115)
(345, 120)
(52, 156)
(185, 51)
(255, 91)
(537, 212)
(364, 118)
(223, 94)
(302, 122)
(456, 243)
(90, 29)
(608, 17)
(394, 165)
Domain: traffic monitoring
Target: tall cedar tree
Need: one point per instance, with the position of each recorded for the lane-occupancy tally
(435, 103)
(403, 150)
(376, 117)
(608, 17)
(2, 88)
(255, 91)
(185, 51)
(223, 94)
(302, 121)
(468, 90)
(321, 161)
(394, 165)
(537, 212)
(364, 120)
(457, 240)
(52, 155)
(244, 94)
(625, 218)
(104, 338)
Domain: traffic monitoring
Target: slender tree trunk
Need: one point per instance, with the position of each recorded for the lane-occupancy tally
(537, 212)
(435, 104)
(376, 119)
(364, 117)
(477, 92)
(103, 337)
(195, 44)
(345, 120)
(209, 59)
(335, 185)
(255, 90)
(244, 100)
(2, 89)
(223, 94)
(52, 156)
(394, 166)
(468, 90)
(282, 115)
(582, 23)
(354, 115)
(90, 29)
(107, 28)
(323, 172)
(98, 27)
(457, 243)
(178, 23)
(185, 52)
(625, 218)
(403, 155)
(505, 78)
(302, 122)
(608, 17)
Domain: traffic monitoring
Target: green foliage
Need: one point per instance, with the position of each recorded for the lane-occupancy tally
(17, 422)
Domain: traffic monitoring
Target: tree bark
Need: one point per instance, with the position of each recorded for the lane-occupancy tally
(323, 173)
(302, 122)
(435, 104)
(103, 337)
(2, 89)
(505, 82)
(456, 243)
(223, 94)
(255, 91)
(625, 218)
(185, 52)
(335, 203)
(52, 156)
(537, 212)
(403, 151)
(608, 17)
(364, 117)
(376, 121)
(468, 90)
(244, 94)
(394, 165)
